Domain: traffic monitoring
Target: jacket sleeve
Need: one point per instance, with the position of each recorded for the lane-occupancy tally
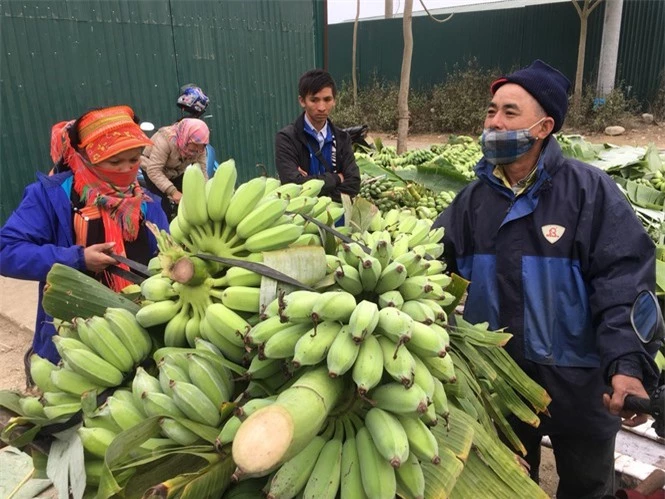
(621, 263)
(348, 168)
(155, 162)
(28, 241)
(287, 162)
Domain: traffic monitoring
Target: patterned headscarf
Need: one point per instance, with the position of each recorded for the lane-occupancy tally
(190, 131)
(104, 133)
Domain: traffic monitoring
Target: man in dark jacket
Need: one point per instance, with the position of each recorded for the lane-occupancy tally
(312, 147)
(556, 255)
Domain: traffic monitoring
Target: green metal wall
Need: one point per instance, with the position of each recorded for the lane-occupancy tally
(62, 57)
(506, 39)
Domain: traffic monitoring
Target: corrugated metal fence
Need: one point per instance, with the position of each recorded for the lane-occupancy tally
(506, 39)
(63, 57)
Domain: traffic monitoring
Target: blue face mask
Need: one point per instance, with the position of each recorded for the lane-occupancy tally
(501, 147)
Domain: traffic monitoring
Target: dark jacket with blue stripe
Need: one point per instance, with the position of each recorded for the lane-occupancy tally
(566, 297)
(40, 233)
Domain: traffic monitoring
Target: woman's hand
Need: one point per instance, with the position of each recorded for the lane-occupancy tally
(97, 256)
(176, 196)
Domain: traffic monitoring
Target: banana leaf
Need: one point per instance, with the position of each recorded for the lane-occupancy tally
(642, 195)
(64, 466)
(660, 275)
(478, 480)
(457, 288)
(619, 160)
(440, 478)
(456, 436)
(212, 481)
(368, 167)
(436, 179)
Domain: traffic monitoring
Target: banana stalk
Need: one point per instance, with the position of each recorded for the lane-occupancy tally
(277, 432)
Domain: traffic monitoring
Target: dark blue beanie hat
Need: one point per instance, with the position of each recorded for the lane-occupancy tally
(546, 84)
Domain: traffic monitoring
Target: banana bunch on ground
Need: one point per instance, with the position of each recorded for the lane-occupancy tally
(658, 180)
(260, 215)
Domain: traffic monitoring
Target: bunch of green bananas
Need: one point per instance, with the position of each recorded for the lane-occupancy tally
(97, 353)
(260, 215)
(658, 180)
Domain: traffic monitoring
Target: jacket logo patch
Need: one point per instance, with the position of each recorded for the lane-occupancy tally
(552, 232)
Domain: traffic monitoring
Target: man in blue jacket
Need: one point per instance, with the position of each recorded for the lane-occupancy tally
(556, 255)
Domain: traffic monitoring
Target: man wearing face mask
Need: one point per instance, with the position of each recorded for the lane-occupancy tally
(556, 255)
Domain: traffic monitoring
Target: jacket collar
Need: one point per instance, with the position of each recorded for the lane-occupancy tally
(549, 163)
(299, 125)
(58, 192)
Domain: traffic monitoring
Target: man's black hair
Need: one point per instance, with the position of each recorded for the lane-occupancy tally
(315, 80)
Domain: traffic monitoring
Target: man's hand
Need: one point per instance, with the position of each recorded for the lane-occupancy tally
(176, 196)
(97, 256)
(302, 172)
(341, 177)
(622, 386)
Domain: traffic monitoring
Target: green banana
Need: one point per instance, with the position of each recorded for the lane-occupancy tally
(397, 362)
(363, 320)
(221, 190)
(227, 323)
(143, 382)
(96, 440)
(410, 479)
(31, 407)
(93, 367)
(156, 313)
(193, 201)
(426, 342)
(419, 311)
(392, 277)
(388, 435)
(194, 403)
(348, 278)
(395, 324)
(396, 398)
(125, 414)
(422, 441)
(40, 372)
(333, 306)
(169, 370)
(273, 238)
(243, 201)
(108, 346)
(282, 344)
(242, 298)
(312, 347)
(351, 486)
(292, 476)
(261, 217)
(342, 353)
(159, 404)
(391, 299)
(440, 400)
(324, 481)
(125, 326)
(177, 432)
(297, 306)
(369, 270)
(378, 476)
(368, 367)
(209, 380)
(158, 288)
(71, 382)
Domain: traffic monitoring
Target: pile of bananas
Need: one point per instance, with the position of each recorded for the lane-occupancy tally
(413, 199)
(318, 392)
(658, 180)
(98, 353)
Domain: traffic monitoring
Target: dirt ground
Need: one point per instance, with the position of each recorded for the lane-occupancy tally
(637, 134)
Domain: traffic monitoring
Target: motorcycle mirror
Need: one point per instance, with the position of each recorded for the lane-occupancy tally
(646, 317)
(146, 126)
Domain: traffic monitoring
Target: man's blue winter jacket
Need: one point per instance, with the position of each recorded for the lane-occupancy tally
(559, 267)
(40, 233)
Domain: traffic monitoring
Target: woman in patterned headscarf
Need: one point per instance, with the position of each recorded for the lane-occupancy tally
(174, 148)
(94, 207)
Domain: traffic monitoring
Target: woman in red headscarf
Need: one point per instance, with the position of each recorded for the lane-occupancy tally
(174, 148)
(94, 207)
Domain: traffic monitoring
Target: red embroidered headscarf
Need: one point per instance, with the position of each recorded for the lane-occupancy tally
(104, 133)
